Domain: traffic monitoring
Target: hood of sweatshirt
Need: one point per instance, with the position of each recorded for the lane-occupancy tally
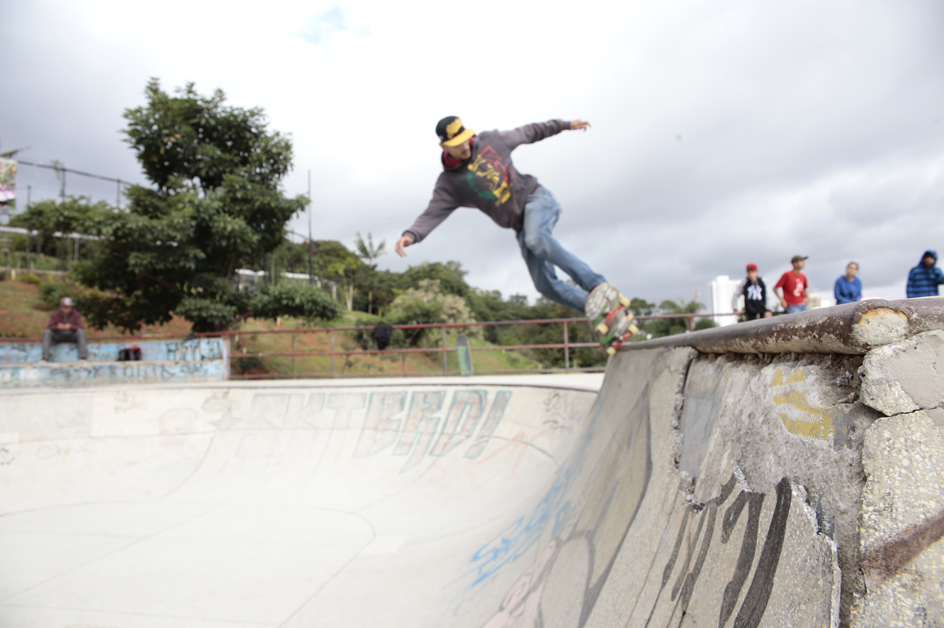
(451, 163)
(930, 252)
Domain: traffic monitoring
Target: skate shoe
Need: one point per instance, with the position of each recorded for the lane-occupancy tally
(608, 313)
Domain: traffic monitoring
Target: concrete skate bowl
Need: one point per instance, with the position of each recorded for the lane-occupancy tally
(780, 473)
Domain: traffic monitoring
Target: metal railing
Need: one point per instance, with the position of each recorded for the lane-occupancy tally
(333, 353)
(444, 349)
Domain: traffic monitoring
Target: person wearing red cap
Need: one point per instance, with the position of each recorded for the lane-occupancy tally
(65, 325)
(792, 286)
(755, 296)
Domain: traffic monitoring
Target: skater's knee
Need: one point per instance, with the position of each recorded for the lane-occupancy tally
(537, 244)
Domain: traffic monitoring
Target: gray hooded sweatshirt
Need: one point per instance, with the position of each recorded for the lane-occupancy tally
(487, 180)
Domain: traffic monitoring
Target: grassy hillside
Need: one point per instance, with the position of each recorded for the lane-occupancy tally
(24, 315)
(249, 341)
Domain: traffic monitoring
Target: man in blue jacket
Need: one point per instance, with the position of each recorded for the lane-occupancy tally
(924, 278)
(848, 287)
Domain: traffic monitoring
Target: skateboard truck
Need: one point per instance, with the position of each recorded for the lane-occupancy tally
(615, 345)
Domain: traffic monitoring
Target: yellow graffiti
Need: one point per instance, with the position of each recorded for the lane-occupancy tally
(796, 376)
(821, 423)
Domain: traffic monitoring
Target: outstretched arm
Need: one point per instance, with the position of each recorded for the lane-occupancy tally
(441, 205)
(531, 133)
(404, 241)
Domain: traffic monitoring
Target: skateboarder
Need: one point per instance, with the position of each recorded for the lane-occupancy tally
(65, 325)
(478, 172)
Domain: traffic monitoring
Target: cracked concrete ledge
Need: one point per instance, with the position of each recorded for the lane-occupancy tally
(769, 417)
(871, 480)
(905, 376)
(901, 569)
(853, 328)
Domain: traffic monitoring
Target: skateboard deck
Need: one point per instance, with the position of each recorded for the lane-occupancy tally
(608, 313)
(464, 355)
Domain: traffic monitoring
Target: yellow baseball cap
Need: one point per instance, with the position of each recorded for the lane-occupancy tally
(451, 132)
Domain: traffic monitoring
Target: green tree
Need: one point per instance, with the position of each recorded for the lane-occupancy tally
(215, 206)
(50, 216)
(367, 251)
(449, 275)
(672, 326)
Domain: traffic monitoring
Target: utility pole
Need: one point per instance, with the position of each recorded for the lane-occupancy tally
(311, 279)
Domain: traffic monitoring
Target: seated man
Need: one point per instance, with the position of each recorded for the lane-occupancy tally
(65, 325)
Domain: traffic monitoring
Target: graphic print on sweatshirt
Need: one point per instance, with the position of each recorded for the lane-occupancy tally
(490, 177)
(755, 292)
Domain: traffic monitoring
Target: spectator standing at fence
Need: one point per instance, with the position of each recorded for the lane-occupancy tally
(754, 291)
(848, 288)
(65, 326)
(924, 278)
(792, 286)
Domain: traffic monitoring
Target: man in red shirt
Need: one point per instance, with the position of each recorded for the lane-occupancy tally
(791, 289)
(65, 325)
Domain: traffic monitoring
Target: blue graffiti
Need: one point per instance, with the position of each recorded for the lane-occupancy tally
(522, 534)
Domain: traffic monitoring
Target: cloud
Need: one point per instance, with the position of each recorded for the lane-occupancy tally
(806, 127)
(322, 26)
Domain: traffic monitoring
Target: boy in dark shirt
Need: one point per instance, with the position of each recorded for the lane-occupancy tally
(924, 279)
(65, 325)
(755, 296)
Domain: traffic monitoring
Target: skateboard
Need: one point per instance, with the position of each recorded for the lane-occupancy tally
(608, 312)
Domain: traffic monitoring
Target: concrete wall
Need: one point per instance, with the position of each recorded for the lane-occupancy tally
(201, 360)
(200, 349)
(632, 540)
(855, 422)
(901, 556)
(110, 373)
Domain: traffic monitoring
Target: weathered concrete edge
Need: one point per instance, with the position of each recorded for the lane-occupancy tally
(852, 328)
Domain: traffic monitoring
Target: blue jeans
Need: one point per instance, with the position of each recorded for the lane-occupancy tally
(542, 253)
(796, 308)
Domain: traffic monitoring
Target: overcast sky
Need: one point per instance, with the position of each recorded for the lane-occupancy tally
(723, 132)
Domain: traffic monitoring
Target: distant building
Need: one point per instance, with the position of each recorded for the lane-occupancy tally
(721, 290)
(820, 299)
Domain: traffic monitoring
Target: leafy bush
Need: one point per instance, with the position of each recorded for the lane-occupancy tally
(413, 312)
(243, 366)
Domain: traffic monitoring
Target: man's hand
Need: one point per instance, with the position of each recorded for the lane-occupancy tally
(402, 243)
(64, 326)
(737, 312)
(576, 125)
